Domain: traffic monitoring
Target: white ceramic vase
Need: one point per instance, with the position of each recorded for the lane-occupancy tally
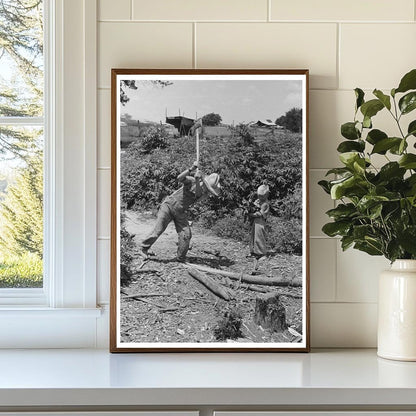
(397, 312)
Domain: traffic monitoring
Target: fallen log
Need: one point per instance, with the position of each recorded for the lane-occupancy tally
(145, 295)
(246, 278)
(214, 287)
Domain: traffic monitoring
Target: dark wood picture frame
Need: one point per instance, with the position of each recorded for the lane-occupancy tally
(117, 345)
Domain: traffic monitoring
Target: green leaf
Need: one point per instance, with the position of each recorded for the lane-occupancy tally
(408, 82)
(408, 102)
(338, 171)
(349, 158)
(385, 99)
(391, 170)
(349, 146)
(375, 212)
(371, 108)
(411, 130)
(369, 201)
(342, 211)
(349, 131)
(339, 189)
(361, 231)
(367, 122)
(398, 149)
(368, 248)
(383, 145)
(346, 242)
(325, 186)
(336, 228)
(375, 136)
(408, 161)
(359, 94)
(407, 240)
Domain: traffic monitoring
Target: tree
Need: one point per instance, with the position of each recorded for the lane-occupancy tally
(131, 84)
(292, 120)
(211, 119)
(22, 211)
(21, 92)
(21, 95)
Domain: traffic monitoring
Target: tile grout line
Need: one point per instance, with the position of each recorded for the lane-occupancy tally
(338, 63)
(307, 22)
(414, 10)
(336, 271)
(131, 9)
(269, 10)
(194, 62)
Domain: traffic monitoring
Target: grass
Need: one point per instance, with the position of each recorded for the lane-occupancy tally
(25, 271)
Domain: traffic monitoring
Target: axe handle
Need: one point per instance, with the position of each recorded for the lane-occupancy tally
(197, 146)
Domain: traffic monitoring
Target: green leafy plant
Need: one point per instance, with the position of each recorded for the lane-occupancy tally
(376, 212)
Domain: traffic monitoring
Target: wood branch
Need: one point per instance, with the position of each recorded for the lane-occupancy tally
(145, 295)
(143, 300)
(210, 284)
(269, 281)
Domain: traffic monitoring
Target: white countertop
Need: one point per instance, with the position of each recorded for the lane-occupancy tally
(96, 377)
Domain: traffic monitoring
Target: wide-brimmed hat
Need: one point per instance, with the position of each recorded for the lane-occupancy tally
(212, 183)
(262, 190)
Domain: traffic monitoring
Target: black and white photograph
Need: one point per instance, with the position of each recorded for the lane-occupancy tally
(209, 245)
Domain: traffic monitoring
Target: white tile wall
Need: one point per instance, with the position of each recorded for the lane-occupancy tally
(345, 44)
(104, 128)
(371, 10)
(200, 10)
(142, 45)
(271, 45)
(104, 202)
(114, 10)
(323, 269)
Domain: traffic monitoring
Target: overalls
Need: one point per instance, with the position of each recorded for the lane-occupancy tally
(175, 208)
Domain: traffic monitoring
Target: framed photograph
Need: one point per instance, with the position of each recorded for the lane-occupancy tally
(209, 211)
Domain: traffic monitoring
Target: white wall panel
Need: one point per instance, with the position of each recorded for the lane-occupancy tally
(343, 325)
(386, 10)
(104, 202)
(259, 45)
(104, 129)
(200, 10)
(323, 269)
(114, 10)
(143, 45)
(376, 55)
(369, 53)
(357, 275)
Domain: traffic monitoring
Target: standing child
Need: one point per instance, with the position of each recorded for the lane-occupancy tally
(258, 243)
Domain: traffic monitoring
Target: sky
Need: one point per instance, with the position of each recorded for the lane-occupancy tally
(234, 100)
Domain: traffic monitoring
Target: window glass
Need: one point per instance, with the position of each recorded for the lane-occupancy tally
(21, 143)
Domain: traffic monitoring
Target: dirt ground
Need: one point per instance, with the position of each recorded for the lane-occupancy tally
(180, 309)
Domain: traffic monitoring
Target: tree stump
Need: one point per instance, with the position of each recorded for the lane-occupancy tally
(270, 313)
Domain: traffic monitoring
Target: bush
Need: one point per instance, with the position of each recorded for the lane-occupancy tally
(229, 327)
(243, 165)
(285, 235)
(127, 248)
(155, 137)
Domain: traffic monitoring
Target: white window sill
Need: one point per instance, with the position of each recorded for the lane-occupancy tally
(39, 311)
(41, 327)
(329, 379)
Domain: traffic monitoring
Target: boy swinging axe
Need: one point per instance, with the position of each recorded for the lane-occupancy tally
(175, 207)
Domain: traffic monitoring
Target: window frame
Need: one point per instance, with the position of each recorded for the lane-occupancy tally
(64, 313)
